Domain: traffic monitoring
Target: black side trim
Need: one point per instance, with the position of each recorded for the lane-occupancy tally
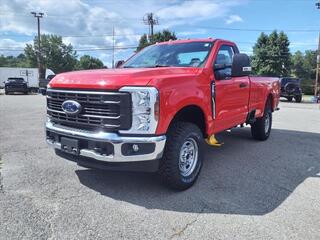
(251, 118)
(140, 166)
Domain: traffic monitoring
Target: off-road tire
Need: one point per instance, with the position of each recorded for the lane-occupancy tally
(169, 170)
(259, 130)
(298, 98)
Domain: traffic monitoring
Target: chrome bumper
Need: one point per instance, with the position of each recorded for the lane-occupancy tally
(113, 138)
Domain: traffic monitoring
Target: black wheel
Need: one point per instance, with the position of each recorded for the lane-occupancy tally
(183, 155)
(298, 98)
(33, 90)
(6, 92)
(289, 99)
(261, 128)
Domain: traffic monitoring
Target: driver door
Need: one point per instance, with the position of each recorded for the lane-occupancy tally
(231, 93)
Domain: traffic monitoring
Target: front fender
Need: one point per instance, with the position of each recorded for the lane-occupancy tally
(179, 92)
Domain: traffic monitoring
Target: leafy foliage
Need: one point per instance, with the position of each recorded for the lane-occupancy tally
(55, 54)
(304, 67)
(163, 36)
(11, 61)
(271, 55)
(88, 62)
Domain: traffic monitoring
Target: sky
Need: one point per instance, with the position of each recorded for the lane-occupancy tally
(88, 24)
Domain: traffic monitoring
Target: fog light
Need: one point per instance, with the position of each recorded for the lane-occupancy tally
(135, 147)
(129, 149)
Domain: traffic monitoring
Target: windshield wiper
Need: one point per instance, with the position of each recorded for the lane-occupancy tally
(128, 66)
(152, 66)
(158, 66)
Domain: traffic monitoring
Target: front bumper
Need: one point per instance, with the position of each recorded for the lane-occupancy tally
(12, 88)
(118, 144)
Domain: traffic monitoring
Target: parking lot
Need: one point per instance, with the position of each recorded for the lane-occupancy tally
(246, 190)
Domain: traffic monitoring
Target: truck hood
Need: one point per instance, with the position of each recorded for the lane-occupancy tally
(116, 78)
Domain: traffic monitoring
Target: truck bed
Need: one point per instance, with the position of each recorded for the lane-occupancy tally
(259, 87)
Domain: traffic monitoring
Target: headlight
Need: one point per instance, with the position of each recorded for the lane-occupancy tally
(145, 109)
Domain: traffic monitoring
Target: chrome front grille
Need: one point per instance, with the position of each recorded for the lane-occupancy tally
(103, 110)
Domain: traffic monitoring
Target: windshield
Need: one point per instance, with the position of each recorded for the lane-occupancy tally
(15, 80)
(284, 81)
(193, 54)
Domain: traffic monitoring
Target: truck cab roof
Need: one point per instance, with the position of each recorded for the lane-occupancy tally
(195, 40)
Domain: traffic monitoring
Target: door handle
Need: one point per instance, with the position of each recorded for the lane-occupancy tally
(243, 85)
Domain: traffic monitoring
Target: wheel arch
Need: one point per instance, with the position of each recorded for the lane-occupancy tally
(193, 114)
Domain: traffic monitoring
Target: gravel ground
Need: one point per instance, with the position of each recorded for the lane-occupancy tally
(246, 190)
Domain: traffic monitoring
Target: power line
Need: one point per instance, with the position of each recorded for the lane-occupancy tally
(66, 17)
(80, 49)
(138, 34)
(77, 36)
(259, 30)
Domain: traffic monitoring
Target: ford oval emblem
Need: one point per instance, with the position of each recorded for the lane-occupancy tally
(71, 107)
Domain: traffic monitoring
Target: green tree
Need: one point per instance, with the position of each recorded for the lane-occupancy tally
(299, 68)
(143, 42)
(260, 54)
(88, 62)
(309, 66)
(285, 55)
(163, 36)
(55, 54)
(310, 63)
(12, 61)
(271, 55)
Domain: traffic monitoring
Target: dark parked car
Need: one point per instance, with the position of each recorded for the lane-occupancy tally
(15, 85)
(290, 88)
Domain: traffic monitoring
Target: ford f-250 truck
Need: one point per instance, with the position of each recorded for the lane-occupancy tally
(155, 112)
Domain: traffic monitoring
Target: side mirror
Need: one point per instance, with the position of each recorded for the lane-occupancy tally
(240, 65)
(119, 63)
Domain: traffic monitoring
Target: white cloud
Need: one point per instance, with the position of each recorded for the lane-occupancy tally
(95, 19)
(233, 19)
(12, 47)
(10, 43)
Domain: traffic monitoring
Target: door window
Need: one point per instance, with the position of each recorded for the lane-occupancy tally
(223, 63)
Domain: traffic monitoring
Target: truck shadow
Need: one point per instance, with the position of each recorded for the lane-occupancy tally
(243, 177)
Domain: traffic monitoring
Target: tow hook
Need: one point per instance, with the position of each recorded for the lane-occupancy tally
(212, 141)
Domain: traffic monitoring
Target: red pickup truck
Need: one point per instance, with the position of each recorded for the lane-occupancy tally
(155, 112)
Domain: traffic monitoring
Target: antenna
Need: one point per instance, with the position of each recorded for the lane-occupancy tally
(151, 20)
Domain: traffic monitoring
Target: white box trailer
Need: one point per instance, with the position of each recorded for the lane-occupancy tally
(30, 75)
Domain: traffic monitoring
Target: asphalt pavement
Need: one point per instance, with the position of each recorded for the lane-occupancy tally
(246, 190)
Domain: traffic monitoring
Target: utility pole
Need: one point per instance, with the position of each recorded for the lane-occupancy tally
(151, 20)
(318, 61)
(113, 46)
(40, 73)
(317, 70)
